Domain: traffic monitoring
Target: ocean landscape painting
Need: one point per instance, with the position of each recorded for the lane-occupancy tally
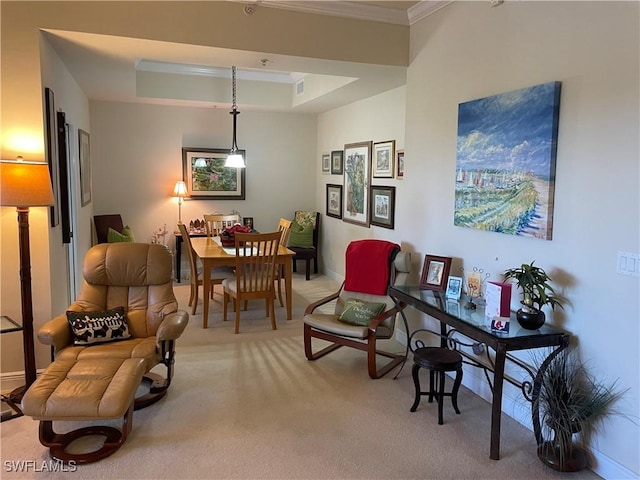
(505, 162)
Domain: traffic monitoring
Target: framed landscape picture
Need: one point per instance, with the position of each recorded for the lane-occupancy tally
(384, 159)
(383, 205)
(357, 178)
(334, 201)
(336, 162)
(207, 178)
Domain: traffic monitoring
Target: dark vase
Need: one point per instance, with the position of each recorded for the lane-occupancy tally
(530, 320)
(572, 459)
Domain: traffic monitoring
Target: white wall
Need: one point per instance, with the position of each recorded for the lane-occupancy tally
(377, 119)
(137, 158)
(469, 50)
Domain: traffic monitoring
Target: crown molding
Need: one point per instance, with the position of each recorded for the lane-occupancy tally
(425, 8)
(341, 9)
(352, 9)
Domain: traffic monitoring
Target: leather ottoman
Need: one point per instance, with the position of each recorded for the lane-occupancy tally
(83, 390)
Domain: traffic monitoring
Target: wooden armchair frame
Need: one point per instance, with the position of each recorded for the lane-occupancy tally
(368, 344)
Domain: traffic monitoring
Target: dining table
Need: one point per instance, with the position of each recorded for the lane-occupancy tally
(213, 254)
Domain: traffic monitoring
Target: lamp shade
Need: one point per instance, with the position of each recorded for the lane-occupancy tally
(25, 184)
(180, 190)
(235, 160)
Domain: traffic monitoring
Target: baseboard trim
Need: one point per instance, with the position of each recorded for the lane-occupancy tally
(9, 381)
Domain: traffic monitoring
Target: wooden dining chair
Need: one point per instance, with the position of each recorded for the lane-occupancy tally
(284, 226)
(218, 274)
(215, 223)
(255, 273)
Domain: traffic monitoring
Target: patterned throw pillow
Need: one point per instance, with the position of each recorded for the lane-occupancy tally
(98, 327)
(306, 218)
(360, 313)
(113, 236)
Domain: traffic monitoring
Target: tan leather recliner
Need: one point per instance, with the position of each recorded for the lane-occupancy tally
(138, 277)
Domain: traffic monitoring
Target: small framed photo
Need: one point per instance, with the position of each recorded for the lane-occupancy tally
(337, 157)
(454, 287)
(384, 159)
(383, 205)
(326, 163)
(334, 201)
(435, 272)
(247, 222)
(400, 165)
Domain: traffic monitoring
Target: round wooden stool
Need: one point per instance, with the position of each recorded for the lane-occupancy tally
(437, 360)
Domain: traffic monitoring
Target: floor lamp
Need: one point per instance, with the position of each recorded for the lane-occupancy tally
(23, 185)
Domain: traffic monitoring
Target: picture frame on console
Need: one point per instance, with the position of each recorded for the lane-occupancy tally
(435, 272)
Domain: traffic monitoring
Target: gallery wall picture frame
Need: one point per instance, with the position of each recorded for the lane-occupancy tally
(337, 159)
(334, 200)
(435, 272)
(384, 154)
(383, 206)
(84, 151)
(357, 179)
(207, 178)
(400, 164)
(326, 163)
(51, 138)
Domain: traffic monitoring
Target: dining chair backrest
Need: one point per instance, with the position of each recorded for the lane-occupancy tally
(255, 263)
(284, 226)
(215, 223)
(190, 253)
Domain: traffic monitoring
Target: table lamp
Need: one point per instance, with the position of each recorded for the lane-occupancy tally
(180, 191)
(23, 185)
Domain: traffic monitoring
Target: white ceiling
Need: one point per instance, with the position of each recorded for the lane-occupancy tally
(144, 71)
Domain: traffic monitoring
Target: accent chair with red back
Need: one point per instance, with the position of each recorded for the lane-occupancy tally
(363, 313)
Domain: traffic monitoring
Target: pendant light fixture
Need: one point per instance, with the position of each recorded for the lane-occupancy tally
(235, 158)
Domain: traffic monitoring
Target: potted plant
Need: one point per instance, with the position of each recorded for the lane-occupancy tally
(536, 292)
(571, 405)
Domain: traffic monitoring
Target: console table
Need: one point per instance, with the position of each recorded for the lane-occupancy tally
(454, 319)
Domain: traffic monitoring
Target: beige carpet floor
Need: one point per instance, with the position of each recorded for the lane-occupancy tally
(250, 406)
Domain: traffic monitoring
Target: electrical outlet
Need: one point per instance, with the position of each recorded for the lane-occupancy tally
(628, 264)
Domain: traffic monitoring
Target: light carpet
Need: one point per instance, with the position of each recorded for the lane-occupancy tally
(250, 406)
